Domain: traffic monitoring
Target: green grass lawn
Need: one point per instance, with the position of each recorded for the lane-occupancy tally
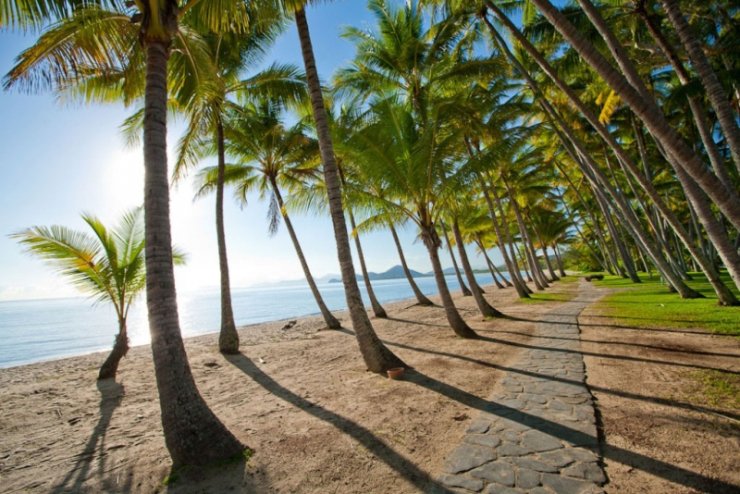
(651, 305)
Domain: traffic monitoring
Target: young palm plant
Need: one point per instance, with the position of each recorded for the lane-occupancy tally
(108, 265)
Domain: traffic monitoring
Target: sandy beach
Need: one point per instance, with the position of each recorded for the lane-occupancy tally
(317, 421)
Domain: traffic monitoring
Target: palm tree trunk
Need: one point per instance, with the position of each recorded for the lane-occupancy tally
(556, 250)
(491, 268)
(510, 265)
(502, 234)
(727, 200)
(629, 265)
(575, 148)
(228, 338)
(378, 309)
(329, 319)
(622, 156)
(550, 268)
(458, 325)
(192, 433)
(120, 349)
(463, 287)
(420, 297)
(505, 280)
(697, 109)
(376, 355)
(598, 254)
(715, 92)
(529, 255)
(485, 308)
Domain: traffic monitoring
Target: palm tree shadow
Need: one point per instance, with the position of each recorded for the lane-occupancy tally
(111, 395)
(418, 323)
(668, 471)
(362, 435)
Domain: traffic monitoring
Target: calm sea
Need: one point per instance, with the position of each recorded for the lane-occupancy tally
(37, 330)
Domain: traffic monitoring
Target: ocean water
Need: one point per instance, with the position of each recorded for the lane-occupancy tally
(38, 330)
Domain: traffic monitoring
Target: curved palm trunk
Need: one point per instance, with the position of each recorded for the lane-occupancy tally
(595, 176)
(531, 259)
(485, 308)
(510, 265)
(120, 349)
(505, 280)
(561, 268)
(228, 338)
(491, 268)
(420, 297)
(717, 235)
(715, 92)
(463, 287)
(727, 200)
(458, 325)
(378, 309)
(329, 319)
(697, 109)
(629, 265)
(192, 433)
(376, 355)
(553, 276)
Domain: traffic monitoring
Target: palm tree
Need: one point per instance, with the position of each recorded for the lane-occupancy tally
(205, 111)
(108, 265)
(633, 93)
(267, 156)
(413, 161)
(715, 232)
(376, 355)
(193, 434)
(463, 287)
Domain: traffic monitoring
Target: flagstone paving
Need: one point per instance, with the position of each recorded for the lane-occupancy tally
(538, 435)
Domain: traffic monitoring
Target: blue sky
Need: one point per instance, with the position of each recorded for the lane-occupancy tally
(61, 159)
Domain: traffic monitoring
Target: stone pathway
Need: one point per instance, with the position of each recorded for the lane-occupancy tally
(538, 434)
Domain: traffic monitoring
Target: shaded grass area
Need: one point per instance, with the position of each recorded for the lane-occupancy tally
(650, 305)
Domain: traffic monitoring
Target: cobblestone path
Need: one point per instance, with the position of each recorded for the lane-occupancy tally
(538, 435)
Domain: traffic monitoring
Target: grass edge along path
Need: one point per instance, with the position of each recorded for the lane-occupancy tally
(650, 305)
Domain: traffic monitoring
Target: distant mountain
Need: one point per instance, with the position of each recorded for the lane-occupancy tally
(392, 274)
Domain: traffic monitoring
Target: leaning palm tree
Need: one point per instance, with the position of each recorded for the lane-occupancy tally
(268, 156)
(128, 48)
(205, 111)
(108, 265)
(413, 162)
(376, 355)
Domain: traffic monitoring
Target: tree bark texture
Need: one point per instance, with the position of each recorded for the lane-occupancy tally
(420, 297)
(485, 308)
(376, 355)
(458, 325)
(192, 433)
(228, 338)
(378, 309)
(329, 319)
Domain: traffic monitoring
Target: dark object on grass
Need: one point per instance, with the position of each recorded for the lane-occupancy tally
(594, 277)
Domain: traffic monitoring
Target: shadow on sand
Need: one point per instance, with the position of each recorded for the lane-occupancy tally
(92, 459)
(408, 470)
(668, 471)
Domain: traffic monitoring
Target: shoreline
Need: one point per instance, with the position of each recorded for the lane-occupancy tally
(311, 318)
(339, 313)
